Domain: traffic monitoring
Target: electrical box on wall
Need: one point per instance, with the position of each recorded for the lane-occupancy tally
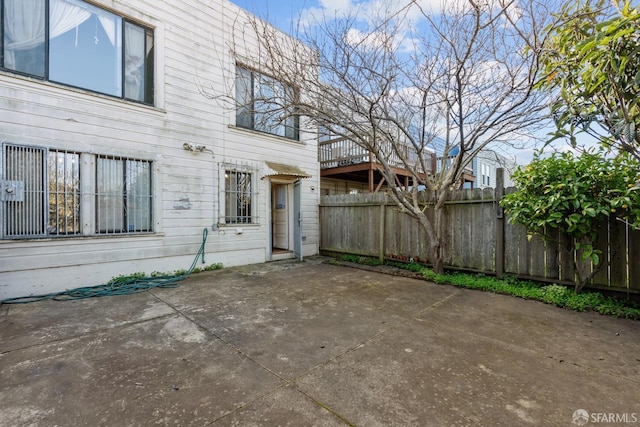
(11, 191)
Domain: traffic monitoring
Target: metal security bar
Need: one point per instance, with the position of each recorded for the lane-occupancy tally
(124, 198)
(41, 191)
(40, 194)
(24, 195)
(64, 193)
(240, 195)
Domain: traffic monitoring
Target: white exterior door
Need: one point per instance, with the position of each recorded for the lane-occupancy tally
(280, 216)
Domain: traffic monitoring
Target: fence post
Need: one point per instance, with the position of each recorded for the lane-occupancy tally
(499, 193)
(383, 212)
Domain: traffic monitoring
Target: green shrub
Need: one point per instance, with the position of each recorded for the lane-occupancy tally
(363, 260)
(350, 258)
(126, 278)
(557, 295)
(429, 274)
(212, 267)
(415, 267)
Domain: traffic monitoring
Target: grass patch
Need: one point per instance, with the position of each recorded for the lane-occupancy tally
(364, 260)
(558, 295)
(157, 274)
(215, 266)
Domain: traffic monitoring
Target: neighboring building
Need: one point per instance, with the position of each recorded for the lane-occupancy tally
(485, 165)
(468, 179)
(346, 168)
(113, 160)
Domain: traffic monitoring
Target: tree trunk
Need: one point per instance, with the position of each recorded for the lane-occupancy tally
(438, 262)
(437, 244)
(583, 272)
(582, 267)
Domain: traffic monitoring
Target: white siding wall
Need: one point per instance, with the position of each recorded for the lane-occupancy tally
(492, 161)
(192, 48)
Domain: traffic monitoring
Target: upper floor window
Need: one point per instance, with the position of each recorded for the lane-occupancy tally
(486, 174)
(78, 44)
(265, 104)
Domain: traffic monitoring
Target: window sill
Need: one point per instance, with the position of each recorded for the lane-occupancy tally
(83, 237)
(71, 92)
(265, 135)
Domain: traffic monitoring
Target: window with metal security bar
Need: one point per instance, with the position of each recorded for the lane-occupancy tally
(239, 197)
(123, 196)
(40, 194)
(64, 192)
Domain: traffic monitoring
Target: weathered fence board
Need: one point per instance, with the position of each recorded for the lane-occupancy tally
(552, 265)
(603, 243)
(634, 259)
(371, 224)
(567, 269)
(617, 243)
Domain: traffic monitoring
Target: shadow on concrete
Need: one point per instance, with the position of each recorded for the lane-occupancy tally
(310, 343)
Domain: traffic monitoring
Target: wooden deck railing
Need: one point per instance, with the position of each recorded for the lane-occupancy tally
(343, 152)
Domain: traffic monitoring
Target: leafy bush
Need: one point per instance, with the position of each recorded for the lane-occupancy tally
(350, 258)
(557, 295)
(123, 278)
(364, 260)
(212, 267)
(576, 195)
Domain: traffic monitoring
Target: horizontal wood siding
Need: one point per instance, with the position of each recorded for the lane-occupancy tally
(193, 55)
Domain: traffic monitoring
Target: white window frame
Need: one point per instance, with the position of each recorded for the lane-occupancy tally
(134, 74)
(248, 82)
(118, 197)
(253, 217)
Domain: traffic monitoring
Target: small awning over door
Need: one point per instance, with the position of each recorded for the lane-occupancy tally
(280, 170)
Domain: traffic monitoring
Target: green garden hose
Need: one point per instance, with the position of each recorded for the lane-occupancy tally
(117, 286)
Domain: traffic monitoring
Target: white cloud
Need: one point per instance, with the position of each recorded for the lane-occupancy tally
(376, 40)
(368, 12)
(337, 7)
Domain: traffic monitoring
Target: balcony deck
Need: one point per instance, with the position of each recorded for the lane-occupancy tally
(344, 159)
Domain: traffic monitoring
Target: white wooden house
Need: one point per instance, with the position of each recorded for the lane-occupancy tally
(486, 164)
(121, 143)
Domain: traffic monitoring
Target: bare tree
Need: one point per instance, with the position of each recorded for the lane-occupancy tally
(399, 76)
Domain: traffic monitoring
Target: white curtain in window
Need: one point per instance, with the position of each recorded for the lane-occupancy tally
(24, 25)
(133, 61)
(65, 16)
(109, 25)
(110, 190)
(68, 14)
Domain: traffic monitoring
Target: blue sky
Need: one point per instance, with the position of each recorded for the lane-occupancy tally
(277, 12)
(285, 14)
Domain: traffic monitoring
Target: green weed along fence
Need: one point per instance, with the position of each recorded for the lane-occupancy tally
(478, 238)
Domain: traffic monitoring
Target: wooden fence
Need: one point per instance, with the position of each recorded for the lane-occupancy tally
(478, 238)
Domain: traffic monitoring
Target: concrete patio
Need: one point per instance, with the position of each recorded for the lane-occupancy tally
(313, 344)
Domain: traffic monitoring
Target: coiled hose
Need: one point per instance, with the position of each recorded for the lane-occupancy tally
(117, 286)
